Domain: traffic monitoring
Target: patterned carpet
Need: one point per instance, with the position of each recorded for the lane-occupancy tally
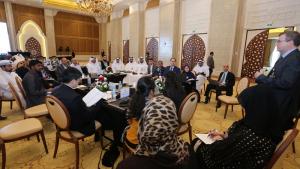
(30, 154)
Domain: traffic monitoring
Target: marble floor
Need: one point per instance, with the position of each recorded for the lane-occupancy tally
(29, 154)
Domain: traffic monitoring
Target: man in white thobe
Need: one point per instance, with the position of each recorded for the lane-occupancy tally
(93, 66)
(201, 71)
(117, 65)
(131, 66)
(6, 76)
(142, 67)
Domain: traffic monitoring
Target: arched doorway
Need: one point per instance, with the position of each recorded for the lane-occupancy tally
(125, 51)
(254, 53)
(34, 47)
(152, 48)
(192, 51)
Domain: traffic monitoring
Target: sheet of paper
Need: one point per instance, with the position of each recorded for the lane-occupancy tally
(94, 96)
(205, 138)
(124, 92)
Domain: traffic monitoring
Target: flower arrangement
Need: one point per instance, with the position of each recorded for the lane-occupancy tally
(160, 85)
(102, 84)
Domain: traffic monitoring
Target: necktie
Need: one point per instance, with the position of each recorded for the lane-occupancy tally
(222, 80)
(171, 68)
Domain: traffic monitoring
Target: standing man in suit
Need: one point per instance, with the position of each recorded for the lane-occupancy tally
(172, 67)
(151, 66)
(285, 75)
(225, 82)
(210, 63)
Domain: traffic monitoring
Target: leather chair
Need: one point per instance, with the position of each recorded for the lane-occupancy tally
(186, 112)
(232, 100)
(19, 130)
(35, 111)
(61, 118)
(289, 137)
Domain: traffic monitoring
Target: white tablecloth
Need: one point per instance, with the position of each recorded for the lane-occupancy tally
(132, 79)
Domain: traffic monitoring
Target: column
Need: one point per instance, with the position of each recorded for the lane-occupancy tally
(50, 31)
(166, 30)
(10, 25)
(136, 32)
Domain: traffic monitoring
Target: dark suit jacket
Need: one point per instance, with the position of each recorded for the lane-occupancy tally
(159, 71)
(34, 88)
(229, 82)
(285, 79)
(59, 71)
(153, 69)
(82, 119)
(175, 69)
(103, 67)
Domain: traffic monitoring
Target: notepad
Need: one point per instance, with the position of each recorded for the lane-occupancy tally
(94, 96)
(205, 138)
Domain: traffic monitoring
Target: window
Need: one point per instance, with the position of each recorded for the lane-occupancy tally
(4, 42)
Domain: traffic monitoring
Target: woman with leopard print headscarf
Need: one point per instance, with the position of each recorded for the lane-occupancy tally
(159, 146)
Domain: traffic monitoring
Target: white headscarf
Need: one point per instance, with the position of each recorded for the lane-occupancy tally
(142, 68)
(94, 68)
(203, 69)
(117, 67)
(18, 58)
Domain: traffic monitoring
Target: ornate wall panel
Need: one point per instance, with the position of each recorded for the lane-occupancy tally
(79, 33)
(34, 47)
(254, 54)
(152, 48)
(192, 51)
(24, 13)
(125, 51)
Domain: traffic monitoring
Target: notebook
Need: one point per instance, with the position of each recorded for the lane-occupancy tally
(94, 96)
(205, 138)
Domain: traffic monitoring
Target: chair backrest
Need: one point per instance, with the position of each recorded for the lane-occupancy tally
(16, 96)
(58, 112)
(242, 85)
(187, 108)
(289, 137)
(20, 85)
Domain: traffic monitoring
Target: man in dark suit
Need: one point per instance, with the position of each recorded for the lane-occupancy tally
(83, 118)
(160, 69)
(285, 75)
(172, 67)
(104, 63)
(151, 67)
(225, 82)
(61, 67)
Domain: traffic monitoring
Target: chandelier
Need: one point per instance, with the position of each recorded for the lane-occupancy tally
(96, 7)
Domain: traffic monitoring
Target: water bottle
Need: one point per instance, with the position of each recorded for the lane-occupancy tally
(113, 94)
(120, 85)
(89, 81)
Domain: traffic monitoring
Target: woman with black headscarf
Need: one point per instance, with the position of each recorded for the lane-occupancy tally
(250, 142)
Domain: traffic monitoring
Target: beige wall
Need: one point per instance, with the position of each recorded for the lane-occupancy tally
(115, 37)
(222, 31)
(166, 28)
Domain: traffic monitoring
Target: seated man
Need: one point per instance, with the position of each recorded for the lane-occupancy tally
(94, 67)
(225, 82)
(33, 84)
(61, 67)
(76, 65)
(142, 67)
(6, 75)
(83, 118)
(159, 70)
(151, 67)
(172, 67)
(201, 71)
(117, 65)
(131, 66)
(104, 62)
